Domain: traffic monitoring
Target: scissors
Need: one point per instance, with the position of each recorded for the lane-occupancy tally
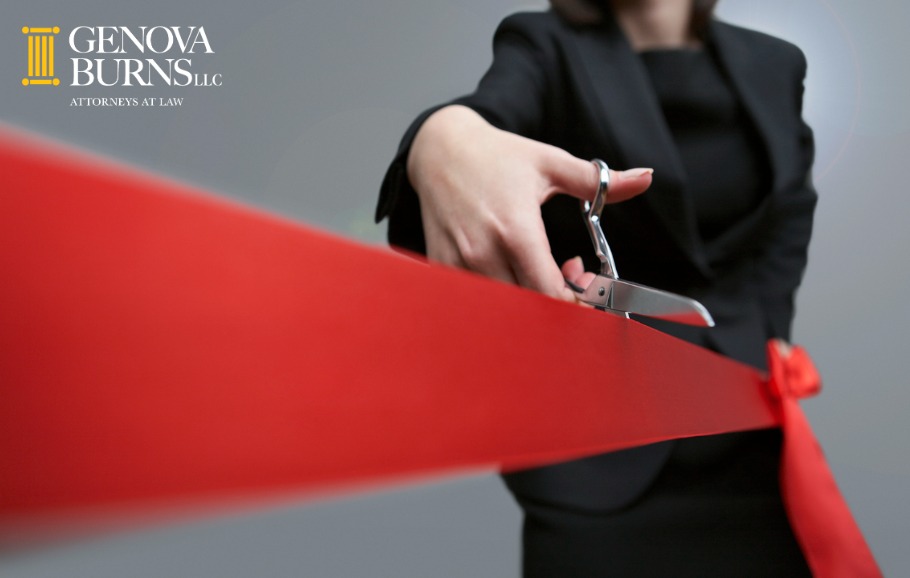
(608, 292)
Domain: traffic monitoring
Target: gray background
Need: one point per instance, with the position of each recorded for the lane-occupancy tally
(315, 97)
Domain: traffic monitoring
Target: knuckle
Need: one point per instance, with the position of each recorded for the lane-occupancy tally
(513, 242)
(473, 254)
(511, 233)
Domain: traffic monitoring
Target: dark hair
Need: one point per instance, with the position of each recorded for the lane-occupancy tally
(592, 12)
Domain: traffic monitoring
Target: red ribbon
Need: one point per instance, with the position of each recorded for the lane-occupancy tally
(160, 346)
(828, 535)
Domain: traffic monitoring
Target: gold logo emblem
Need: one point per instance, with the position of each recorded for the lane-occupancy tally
(40, 55)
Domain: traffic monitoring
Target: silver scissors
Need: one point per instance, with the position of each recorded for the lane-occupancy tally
(609, 293)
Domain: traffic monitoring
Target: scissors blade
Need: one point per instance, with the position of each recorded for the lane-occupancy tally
(628, 297)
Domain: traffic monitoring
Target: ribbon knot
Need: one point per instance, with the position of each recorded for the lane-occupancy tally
(791, 372)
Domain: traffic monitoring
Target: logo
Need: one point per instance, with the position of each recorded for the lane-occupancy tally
(106, 58)
(140, 56)
(40, 55)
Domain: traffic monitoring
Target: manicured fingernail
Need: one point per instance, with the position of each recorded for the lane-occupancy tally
(636, 173)
(575, 288)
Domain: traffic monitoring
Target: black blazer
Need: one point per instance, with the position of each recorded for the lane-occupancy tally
(583, 89)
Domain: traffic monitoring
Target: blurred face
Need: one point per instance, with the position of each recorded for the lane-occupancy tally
(654, 10)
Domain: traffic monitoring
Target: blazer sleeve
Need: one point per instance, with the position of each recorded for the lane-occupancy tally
(511, 96)
(784, 257)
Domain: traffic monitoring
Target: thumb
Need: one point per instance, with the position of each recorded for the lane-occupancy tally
(581, 178)
(627, 184)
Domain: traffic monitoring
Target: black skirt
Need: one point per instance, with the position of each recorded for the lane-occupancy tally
(714, 510)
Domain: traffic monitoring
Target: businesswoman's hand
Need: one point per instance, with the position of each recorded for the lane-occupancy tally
(480, 192)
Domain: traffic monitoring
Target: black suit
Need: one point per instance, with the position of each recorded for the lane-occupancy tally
(584, 90)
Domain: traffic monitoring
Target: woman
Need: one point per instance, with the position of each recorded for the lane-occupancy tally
(715, 111)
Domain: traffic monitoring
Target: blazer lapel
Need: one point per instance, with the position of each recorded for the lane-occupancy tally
(624, 101)
(752, 79)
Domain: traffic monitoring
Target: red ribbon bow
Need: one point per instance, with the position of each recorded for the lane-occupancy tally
(792, 373)
(828, 535)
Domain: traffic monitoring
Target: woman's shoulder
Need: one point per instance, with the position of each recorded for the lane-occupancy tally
(540, 25)
(760, 44)
(543, 33)
(545, 20)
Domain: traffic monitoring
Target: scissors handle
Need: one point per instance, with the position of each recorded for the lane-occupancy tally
(592, 211)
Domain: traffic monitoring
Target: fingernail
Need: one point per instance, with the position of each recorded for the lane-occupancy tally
(577, 259)
(574, 287)
(636, 173)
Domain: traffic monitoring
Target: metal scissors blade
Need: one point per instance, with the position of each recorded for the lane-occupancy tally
(627, 297)
(608, 291)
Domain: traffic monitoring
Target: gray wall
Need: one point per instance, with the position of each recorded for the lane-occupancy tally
(315, 97)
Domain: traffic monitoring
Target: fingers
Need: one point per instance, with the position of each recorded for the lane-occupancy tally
(574, 271)
(520, 257)
(572, 175)
(489, 263)
(626, 184)
(534, 266)
(581, 179)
